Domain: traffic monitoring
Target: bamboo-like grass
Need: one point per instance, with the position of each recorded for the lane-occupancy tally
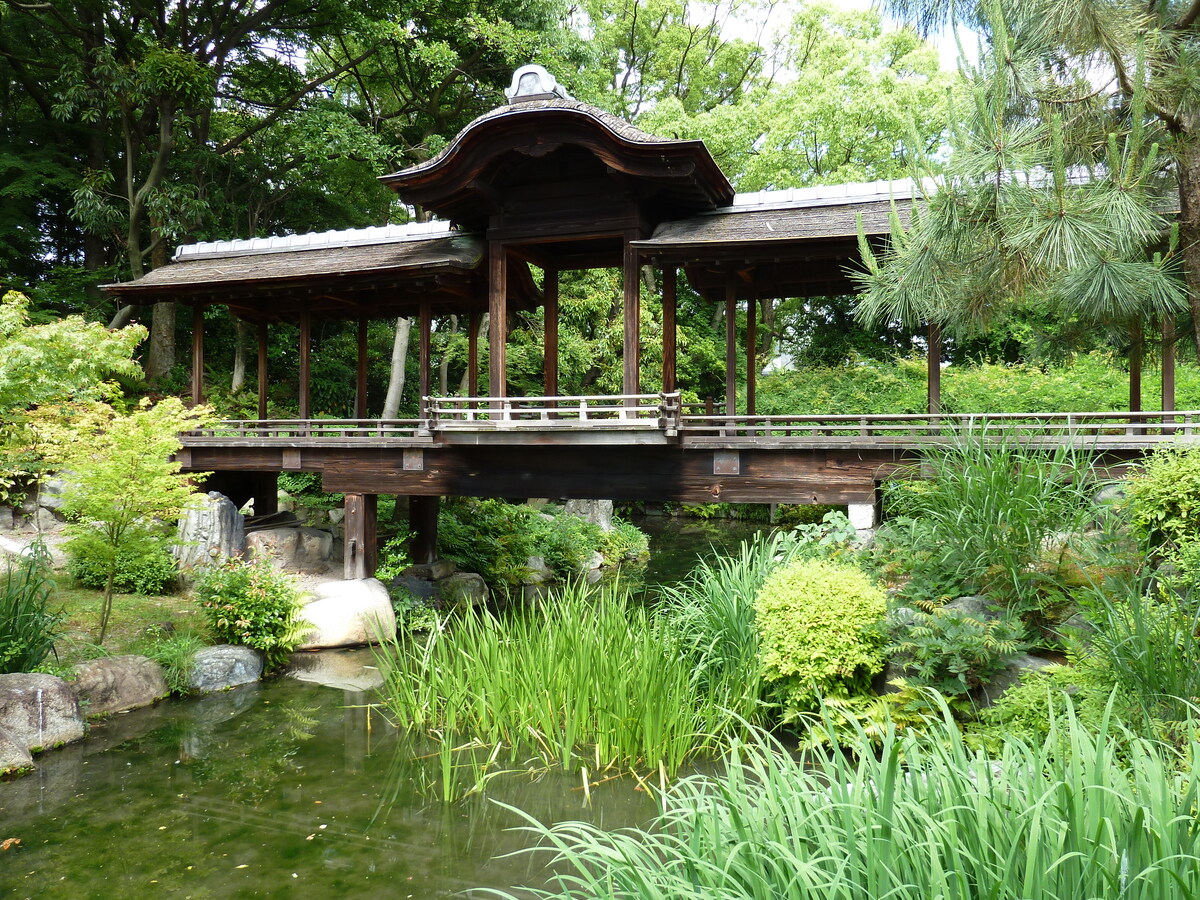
(585, 678)
(926, 818)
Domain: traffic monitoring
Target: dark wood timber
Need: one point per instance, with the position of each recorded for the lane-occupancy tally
(1137, 352)
(497, 320)
(550, 328)
(474, 320)
(632, 343)
(197, 355)
(360, 392)
(360, 523)
(730, 345)
(262, 369)
(423, 520)
(426, 327)
(933, 370)
(751, 353)
(1168, 362)
(305, 364)
(670, 282)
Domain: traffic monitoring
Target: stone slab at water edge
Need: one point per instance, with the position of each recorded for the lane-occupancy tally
(224, 666)
(117, 683)
(348, 614)
(39, 711)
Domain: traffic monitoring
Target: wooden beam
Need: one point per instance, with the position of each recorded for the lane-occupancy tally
(360, 392)
(305, 364)
(426, 327)
(197, 355)
(751, 353)
(933, 370)
(550, 328)
(360, 524)
(670, 280)
(1137, 353)
(497, 319)
(474, 320)
(731, 345)
(263, 335)
(631, 347)
(1168, 362)
(423, 521)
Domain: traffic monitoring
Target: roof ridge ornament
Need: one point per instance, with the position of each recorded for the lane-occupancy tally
(532, 82)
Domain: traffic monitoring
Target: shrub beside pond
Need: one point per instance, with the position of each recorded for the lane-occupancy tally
(254, 604)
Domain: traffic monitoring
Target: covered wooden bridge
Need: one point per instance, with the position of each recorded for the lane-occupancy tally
(547, 182)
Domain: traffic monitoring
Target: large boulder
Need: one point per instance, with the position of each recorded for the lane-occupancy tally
(347, 670)
(1010, 676)
(118, 683)
(598, 512)
(13, 754)
(39, 711)
(306, 550)
(463, 589)
(224, 666)
(211, 532)
(348, 614)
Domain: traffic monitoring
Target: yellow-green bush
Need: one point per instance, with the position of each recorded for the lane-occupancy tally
(819, 625)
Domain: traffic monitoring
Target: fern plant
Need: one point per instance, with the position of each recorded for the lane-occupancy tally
(953, 652)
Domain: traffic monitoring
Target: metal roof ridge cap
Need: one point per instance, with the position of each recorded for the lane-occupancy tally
(316, 240)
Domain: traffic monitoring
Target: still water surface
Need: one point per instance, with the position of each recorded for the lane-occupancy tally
(289, 788)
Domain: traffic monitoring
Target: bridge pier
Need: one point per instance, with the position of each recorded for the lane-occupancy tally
(423, 520)
(361, 535)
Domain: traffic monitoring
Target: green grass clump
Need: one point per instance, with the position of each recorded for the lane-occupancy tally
(174, 651)
(585, 678)
(28, 623)
(926, 817)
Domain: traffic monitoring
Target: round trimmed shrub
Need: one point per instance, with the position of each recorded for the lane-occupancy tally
(819, 624)
(144, 564)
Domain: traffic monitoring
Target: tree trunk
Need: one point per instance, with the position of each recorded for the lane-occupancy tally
(1187, 157)
(391, 405)
(240, 335)
(444, 367)
(160, 355)
(1137, 352)
(122, 317)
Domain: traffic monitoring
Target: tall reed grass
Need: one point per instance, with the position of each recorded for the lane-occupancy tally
(587, 678)
(926, 818)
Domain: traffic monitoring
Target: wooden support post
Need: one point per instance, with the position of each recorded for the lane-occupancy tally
(423, 521)
(360, 392)
(266, 493)
(498, 319)
(262, 370)
(751, 353)
(305, 364)
(474, 320)
(933, 370)
(1137, 352)
(1168, 363)
(550, 329)
(730, 346)
(670, 338)
(360, 523)
(423, 353)
(631, 346)
(197, 355)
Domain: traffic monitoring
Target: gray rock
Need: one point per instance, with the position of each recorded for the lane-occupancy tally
(463, 589)
(39, 711)
(434, 571)
(118, 683)
(50, 493)
(13, 756)
(594, 576)
(598, 512)
(348, 614)
(537, 572)
(336, 516)
(45, 520)
(211, 532)
(900, 617)
(347, 670)
(976, 607)
(596, 561)
(892, 671)
(421, 588)
(303, 549)
(224, 666)
(535, 593)
(8, 518)
(1110, 493)
(1010, 676)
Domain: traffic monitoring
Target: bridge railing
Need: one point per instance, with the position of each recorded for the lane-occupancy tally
(257, 430)
(641, 411)
(1104, 427)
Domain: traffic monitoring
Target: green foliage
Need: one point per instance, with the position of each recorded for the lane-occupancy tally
(818, 623)
(307, 490)
(28, 626)
(709, 617)
(953, 652)
(254, 604)
(626, 542)
(1164, 498)
(831, 536)
(923, 817)
(174, 651)
(991, 515)
(143, 565)
(393, 556)
(1027, 710)
(587, 677)
(124, 478)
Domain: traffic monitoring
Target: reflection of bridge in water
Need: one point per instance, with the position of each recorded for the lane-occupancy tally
(537, 187)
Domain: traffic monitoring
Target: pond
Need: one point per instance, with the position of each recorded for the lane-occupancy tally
(290, 785)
